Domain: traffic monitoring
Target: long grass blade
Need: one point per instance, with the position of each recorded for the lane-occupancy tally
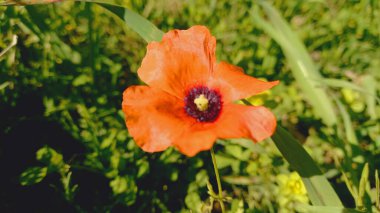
(348, 127)
(326, 209)
(12, 44)
(369, 83)
(148, 31)
(319, 189)
(302, 66)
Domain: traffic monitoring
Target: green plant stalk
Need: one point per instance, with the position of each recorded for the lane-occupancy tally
(348, 127)
(88, 8)
(377, 189)
(217, 179)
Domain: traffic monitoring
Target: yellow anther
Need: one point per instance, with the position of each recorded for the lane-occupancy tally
(201, 102)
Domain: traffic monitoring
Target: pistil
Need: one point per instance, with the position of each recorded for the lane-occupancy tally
(201, 102)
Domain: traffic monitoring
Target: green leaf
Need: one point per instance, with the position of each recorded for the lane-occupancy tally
(300, 62)
(369, 83)
(350, 186)
(148, 31)
(49, 157)
(4, 85)
(210, 190)
(125, 189)
(118, 185)
(143, 166)
(12, 44)
(325, 209)
(237, 206)
(362, 185)
(339, 83)
(240, 180)
(123, 184)
(348, 127)
(319, 189)
(33, 175)
(81, 80)
(41, 29)
(193, 201)
(109, 140)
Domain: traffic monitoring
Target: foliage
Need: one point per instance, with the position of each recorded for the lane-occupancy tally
(78, 57)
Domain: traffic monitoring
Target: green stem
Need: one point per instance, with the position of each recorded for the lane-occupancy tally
(217, 179)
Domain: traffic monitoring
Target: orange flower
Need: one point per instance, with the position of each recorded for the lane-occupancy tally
(188, 102)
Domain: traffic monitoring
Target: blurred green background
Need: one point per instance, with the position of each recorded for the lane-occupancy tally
(64, 146)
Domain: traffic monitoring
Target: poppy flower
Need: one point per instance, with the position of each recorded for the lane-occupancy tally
(189, 99)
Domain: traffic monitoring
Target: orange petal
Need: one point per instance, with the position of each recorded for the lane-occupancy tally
(196, 138)
(239, 121)
(183, 58)
(235, 85)
(153, 117)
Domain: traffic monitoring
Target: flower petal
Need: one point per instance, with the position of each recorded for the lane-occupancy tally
(153, 117)
(239, 121)
(183, 58)
(196, 138)
(235, 85)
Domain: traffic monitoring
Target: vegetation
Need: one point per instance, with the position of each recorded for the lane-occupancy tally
(63, 141)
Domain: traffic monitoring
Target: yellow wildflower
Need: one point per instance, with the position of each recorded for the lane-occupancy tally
(291, 191)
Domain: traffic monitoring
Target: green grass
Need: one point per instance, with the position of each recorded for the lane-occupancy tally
(73, 60)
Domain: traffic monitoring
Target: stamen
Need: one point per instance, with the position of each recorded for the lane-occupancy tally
(201, 102)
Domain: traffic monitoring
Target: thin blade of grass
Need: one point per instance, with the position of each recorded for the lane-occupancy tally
(369, 84)
(349, 129)
(148, 31)
(12, 44)
(299, 60)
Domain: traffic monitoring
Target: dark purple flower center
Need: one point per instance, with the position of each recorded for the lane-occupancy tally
(203, 104)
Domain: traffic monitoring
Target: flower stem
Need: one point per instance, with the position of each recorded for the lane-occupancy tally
(217, 179)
